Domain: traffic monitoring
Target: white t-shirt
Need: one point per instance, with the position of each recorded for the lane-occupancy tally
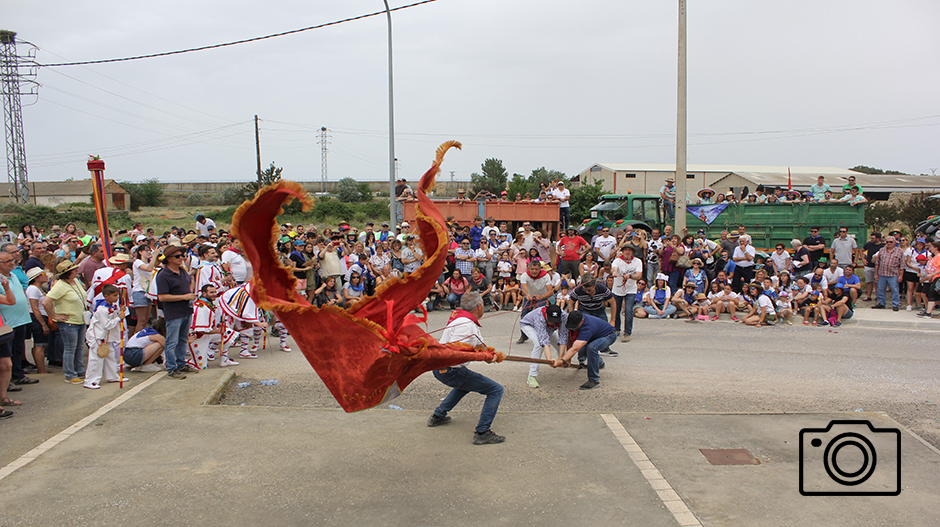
(738, 253)
(622, 285)
(203, 228)
(563, 195)
(605, 244)
(781, 261)
(536, 286)
(139, 342)
(141, 278)
(241, 269)
(913, 267)
(34, 293)
(833, 277)
(764, 301)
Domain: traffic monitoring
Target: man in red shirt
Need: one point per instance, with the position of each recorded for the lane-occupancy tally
(572, 248)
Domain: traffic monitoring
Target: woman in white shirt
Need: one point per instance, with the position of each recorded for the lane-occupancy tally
(144, 264)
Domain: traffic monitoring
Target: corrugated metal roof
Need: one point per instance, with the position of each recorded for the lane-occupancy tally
(869, 182)
(764, 169)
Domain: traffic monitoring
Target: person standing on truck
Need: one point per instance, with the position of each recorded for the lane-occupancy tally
(668, 195)
(820, 188)
(816, 245)
(563, 195)
(850, 184)
(572, 248)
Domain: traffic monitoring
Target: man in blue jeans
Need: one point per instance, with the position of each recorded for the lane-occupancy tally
(173, 291)
(465, 327)
(592, 334)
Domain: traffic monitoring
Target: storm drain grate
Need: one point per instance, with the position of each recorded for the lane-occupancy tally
(729, 456)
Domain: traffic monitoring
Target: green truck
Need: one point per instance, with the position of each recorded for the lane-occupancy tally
(767, 223)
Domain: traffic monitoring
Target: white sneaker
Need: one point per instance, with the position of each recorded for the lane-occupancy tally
(286, 349)
(910, 308)
(93, 386)
(119, 380)
(210, 356)
(149, 368)
(247, 355)
(254, 349)
(228, 362)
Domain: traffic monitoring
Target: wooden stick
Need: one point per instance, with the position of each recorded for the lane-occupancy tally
(517, 358)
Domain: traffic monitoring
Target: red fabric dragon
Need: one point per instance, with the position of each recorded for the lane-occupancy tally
(368, 354)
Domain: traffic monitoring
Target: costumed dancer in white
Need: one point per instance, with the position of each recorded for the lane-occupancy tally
(105, 331)
(207, 328)
(243, 316)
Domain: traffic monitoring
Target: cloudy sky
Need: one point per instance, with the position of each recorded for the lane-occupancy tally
(551, 83)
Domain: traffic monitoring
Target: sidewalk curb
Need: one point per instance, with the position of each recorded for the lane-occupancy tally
(212, 398)
(922, 325)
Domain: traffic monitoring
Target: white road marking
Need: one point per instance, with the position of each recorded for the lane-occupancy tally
(680, 511)
(26, 458)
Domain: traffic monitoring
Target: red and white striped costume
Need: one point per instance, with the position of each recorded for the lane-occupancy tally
(208, 317)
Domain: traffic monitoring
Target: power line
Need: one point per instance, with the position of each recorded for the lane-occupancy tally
(215, 46)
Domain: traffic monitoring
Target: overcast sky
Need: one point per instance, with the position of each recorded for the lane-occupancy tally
(560, 84)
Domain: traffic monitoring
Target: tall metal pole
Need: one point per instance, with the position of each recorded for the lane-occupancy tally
(10, 78)
(681, 181)
(391, 124)
(258, 150)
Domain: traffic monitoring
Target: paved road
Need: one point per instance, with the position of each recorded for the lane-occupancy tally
(683, 366)
(625, 453)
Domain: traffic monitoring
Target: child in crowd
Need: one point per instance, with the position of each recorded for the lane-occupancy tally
(561, 298)
(511, 295)
(504, 266)
(104, 338)
(498, 289)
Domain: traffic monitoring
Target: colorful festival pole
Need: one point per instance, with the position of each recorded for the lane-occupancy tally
(96, 167)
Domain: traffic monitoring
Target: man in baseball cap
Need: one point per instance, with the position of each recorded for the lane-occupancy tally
(541, 325)
(590, 335)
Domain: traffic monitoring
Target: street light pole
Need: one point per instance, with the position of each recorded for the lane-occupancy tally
(681, 157)
(391, 124)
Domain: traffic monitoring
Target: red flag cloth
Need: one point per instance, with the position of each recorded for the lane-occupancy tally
(368, 354)
(789, 180)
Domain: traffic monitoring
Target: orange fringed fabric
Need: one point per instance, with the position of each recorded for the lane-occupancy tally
(368, 354)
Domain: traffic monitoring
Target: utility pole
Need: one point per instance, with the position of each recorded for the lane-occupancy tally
(391, 125)
(681, 157)
(323, 142)
(10, 89)
(258, 150)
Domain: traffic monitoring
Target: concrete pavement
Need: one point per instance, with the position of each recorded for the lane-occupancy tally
(290, 457)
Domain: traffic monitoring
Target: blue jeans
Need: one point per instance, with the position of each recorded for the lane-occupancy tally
(892, 282)
(626, 304)
(177, 333)
(464, 381)
(592, 350)
(651, 311)
(454, 300)
(73, 349)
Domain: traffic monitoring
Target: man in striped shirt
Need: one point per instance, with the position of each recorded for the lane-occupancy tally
(889, 270)
(539, 325)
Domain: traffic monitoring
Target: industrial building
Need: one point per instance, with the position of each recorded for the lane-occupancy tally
(640, 178)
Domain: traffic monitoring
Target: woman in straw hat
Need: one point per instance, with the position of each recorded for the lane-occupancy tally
(705, 196)
(65, 303)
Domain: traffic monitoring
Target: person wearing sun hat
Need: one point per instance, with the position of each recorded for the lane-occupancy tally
(65, 303)
(705, 196)
(173, 290)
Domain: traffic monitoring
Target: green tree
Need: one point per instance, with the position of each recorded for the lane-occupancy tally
(519, 184)
(148, 193)
(583, 198)
(872, 170)
(269, 176)
(880, 214)
(541, 175)
(493, 178)
(917, 209)
(348, 191)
